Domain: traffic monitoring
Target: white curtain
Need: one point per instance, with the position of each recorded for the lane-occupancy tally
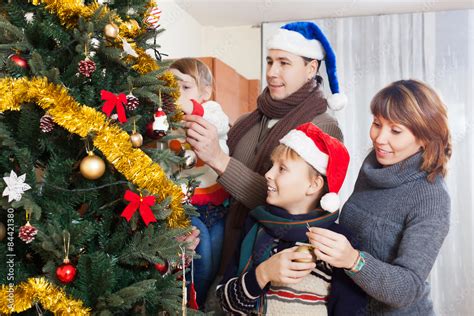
(435, 47)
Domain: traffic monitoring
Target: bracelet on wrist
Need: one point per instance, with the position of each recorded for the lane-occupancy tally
(358, 265)
(355, 261)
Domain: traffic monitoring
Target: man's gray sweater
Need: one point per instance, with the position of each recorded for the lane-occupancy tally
(400, 220)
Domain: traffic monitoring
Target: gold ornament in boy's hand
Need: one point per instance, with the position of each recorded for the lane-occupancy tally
(306, 249)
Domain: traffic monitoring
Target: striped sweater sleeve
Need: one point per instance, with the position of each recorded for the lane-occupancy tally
(239, 295)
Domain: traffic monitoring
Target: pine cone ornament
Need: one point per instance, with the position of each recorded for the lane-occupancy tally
(27, 233)
(86, 67)
(46, 123)
(132, 103)
(168, 103)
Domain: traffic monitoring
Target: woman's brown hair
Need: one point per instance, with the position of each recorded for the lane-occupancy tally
(417, 106)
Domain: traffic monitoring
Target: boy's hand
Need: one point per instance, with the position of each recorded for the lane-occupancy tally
(282, 268)
(332, 247)
(204, 140)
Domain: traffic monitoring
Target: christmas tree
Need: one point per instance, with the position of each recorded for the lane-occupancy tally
(89, 215)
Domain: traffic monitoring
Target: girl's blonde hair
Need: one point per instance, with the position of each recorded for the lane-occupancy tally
(196, 69)
(417, 106)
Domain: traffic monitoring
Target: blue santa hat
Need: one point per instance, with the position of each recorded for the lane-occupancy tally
(307, 40)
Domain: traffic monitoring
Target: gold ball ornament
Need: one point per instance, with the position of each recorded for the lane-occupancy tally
(190, 159)
(130, 28)
(111, 30)
(136, 139)
(3, 231)
(92, 167)
(306, 249)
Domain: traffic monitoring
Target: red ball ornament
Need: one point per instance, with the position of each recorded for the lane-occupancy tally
(151, 133)
(175, 146)
(19, 61)
(66, 272)
(162, 267)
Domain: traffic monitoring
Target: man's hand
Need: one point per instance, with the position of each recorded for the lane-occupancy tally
(203, 138)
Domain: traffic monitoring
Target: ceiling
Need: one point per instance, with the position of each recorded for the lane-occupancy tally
(221, 13)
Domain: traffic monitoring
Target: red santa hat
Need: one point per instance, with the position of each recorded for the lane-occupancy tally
(160, 112)
(326, 154)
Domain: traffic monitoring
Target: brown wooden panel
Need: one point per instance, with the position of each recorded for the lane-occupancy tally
(236, 94)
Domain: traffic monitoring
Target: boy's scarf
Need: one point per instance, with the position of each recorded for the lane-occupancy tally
(275, 223)
(298, 108)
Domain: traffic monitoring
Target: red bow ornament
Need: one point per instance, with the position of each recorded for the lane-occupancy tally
(141, 203)
(114, 101)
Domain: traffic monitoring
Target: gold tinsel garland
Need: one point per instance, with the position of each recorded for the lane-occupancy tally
(110, 139)
(69, 11)
(39, 290)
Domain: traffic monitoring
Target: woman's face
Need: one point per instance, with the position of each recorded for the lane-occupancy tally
(287, 72)
(392, 142)
(188, 89)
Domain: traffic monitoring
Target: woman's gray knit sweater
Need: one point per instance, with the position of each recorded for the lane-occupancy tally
(400, 220)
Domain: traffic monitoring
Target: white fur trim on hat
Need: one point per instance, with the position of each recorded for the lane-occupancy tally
(307, 149)
(330, 202)
(337, 101)
(297, 44)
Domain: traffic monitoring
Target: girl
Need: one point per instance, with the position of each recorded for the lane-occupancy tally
(210, 199)
(400, 205)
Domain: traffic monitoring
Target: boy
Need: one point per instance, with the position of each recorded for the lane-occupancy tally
(269, 275)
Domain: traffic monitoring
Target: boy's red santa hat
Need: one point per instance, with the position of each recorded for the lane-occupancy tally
(326, 154)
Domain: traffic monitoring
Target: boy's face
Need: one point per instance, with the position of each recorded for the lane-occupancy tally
(289, 185)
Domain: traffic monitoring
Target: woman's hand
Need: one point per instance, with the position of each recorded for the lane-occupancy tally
(203, 138)
(281, 268)
(332, 247)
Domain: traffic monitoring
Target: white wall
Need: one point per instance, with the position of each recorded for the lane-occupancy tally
(184, 36)
(237, 46)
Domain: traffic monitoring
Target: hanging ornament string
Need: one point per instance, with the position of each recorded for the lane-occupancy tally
(66, 272)
(87, 66)
(66, 240)
(192, 290)
(183, 266)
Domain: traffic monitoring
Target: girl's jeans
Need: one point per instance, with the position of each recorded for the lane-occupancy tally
(211, 223)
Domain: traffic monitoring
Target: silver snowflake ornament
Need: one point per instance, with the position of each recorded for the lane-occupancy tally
(16, 186)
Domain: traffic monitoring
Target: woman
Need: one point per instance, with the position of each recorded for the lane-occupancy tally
(292, 97)
(400, 206)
